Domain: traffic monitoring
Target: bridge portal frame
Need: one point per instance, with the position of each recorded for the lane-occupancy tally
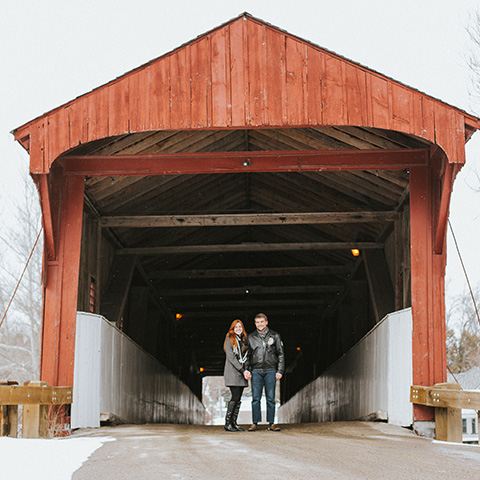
(247, 74)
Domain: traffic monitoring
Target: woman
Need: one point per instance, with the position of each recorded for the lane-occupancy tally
(236, 350)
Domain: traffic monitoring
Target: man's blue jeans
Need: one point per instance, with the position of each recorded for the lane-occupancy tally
(261, 378)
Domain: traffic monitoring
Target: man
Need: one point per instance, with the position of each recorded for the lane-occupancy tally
(265, 365)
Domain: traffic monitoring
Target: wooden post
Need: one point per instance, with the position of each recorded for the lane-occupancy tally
(60, 294)
(35, 421)
(35, 417)
(428, 312)
(448, 421)
(8, 420)
(8, 416)
(478, 425)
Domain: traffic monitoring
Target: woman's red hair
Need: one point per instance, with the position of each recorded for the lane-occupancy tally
(231, 335)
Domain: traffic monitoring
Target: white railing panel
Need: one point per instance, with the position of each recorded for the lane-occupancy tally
(116, 379)
(371, 380)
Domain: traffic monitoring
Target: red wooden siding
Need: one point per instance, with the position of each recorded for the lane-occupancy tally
(245, 74)
(60, 296)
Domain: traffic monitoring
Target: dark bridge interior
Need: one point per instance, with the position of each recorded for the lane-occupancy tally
(216, 247)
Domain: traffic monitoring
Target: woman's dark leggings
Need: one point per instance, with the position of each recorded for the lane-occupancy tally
(236, 393)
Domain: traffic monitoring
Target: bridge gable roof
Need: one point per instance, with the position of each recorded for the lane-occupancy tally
(245, 74)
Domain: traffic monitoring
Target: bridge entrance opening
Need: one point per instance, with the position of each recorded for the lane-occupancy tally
(248, 170)
(172, 260)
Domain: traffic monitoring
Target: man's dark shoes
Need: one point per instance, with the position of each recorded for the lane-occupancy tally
(253, 427)
(273, 428)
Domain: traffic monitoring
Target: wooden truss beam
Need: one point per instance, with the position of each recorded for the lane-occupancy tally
(247, 247)
(231, 162)
(47, 215)
(115, 298)
(150, 221)
(247, 310)
(260, 303)
(251, 290)
(451, 171)
(380, 283)
(251, 272)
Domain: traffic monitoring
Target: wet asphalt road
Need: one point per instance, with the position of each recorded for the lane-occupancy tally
(340, 450)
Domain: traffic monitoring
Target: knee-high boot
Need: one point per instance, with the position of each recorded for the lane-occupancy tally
(236, 410)
(228, 417)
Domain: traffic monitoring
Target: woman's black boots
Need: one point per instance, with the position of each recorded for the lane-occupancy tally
(229, 417)
(235, 416)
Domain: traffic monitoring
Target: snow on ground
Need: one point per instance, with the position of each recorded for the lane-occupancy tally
(42, 459)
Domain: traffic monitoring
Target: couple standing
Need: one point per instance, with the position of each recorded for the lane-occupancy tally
(257, 357)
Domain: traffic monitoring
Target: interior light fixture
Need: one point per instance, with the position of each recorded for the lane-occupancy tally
(178, 316)
(355, 252)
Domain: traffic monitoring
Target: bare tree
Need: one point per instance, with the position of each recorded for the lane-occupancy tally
(20, 332)
(463, 333)
(473, 58)
(473, 62)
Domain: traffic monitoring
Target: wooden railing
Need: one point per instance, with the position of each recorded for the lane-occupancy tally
(40, 418)
(448, 400)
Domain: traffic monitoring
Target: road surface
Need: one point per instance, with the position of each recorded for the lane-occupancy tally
(340, 450)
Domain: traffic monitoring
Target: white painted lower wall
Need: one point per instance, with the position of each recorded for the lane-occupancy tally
(115, 378)
(373, 377)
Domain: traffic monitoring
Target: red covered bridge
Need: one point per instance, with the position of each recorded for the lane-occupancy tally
(235, 174)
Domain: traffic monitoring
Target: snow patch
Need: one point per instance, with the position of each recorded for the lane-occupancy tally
(45, 459)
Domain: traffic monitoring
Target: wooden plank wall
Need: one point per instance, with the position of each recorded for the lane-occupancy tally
(244, 74)
(96, 258)
(397, 253)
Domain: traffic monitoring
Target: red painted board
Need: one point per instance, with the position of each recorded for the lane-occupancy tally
(333, 92)
(256, 75)
(276, 112)
(221, 108)
(295, 66)
(159, 95)
(238, 81)
(200, 74)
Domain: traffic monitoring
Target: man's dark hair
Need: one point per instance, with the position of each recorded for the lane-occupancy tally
(261, 315)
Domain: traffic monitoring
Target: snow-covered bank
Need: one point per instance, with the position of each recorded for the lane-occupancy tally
(42, 459)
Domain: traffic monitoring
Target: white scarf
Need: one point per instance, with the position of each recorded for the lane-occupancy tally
(238, 351)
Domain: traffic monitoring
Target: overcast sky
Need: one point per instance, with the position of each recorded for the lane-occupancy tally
(52, 51)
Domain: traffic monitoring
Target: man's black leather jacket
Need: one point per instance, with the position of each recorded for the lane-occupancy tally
(265, 353)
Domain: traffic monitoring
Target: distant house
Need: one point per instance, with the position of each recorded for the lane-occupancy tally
(468, 381)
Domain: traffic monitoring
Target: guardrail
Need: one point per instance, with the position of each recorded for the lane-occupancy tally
(448, 400)
(40, 418)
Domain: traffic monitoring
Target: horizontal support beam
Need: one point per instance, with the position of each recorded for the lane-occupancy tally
(252, 272)
(250, 290)
(444, 397)
(234, 162)
(247, 247)
(154, 221)
(263, 303)
(221, 316)
(35, 395)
